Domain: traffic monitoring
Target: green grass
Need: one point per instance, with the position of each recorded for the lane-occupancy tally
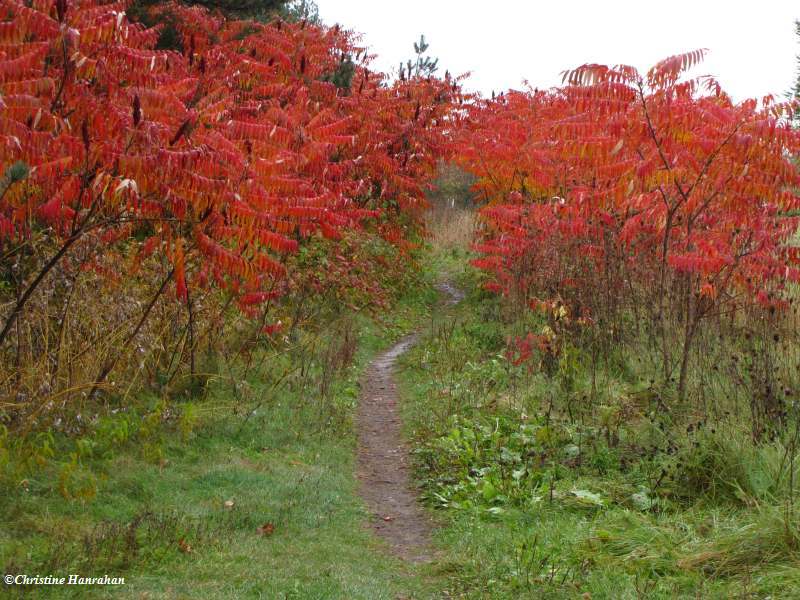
(153, 508)
(542, 497)
(541, 491)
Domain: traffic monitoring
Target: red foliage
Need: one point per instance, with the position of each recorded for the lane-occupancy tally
(631, 196)
(627, 178)
(224, 157)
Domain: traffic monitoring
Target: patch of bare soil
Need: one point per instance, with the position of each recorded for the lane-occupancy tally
(384, 469)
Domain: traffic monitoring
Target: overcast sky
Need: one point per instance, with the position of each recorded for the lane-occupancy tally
(503, 42)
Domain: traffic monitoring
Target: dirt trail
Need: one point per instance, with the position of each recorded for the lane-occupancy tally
(384, 469)
(454, 295)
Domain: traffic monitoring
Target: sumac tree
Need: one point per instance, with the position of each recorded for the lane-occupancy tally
(650, 195)
(218, 157)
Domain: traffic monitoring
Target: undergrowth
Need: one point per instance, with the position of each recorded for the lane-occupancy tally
(568, 474)
(242, 488)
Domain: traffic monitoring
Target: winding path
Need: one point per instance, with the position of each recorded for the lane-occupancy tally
(384, 469)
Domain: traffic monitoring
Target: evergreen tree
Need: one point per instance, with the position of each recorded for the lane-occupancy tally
(261, 10)
(301, 10)
(796, 89)
(342, 77)
(420, 65)
(168, 39)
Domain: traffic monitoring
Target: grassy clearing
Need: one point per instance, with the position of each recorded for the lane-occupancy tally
(564, 481)
(560, 481)
(249, 493)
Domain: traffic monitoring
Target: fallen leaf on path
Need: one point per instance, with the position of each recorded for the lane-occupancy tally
(266, 529)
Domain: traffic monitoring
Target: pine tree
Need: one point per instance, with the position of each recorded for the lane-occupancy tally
(238, 9)
(301, 10)
(420, 66)
(796, 89)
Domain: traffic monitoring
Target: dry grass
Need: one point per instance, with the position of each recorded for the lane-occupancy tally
(452, 220)
(451, 228)
(80, 322)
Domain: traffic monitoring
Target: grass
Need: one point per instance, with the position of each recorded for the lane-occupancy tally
(255, 499)
(543, 497)
(548, 482)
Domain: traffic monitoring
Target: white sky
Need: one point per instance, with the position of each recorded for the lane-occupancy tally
(503, 42)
